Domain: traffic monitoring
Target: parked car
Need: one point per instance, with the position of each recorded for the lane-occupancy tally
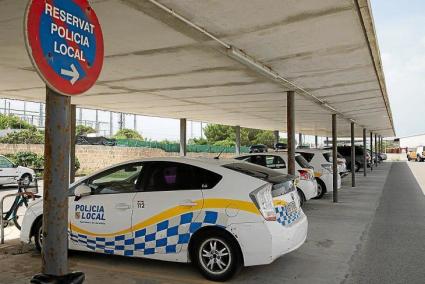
(411, 155)
(345, 151)
(420, 154)
(11, 173)
(259, 148)
(307, 185)
(217, 214)
(321, 160)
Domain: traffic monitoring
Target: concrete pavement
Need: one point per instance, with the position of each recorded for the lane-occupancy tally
(338, 244)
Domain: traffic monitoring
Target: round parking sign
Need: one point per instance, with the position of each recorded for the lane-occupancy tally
(65, 43)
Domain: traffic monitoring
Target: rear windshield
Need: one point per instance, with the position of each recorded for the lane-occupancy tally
(307, 156)
(328, 157)
(302, 162)
(260, 172)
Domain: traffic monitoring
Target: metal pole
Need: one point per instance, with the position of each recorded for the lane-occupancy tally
(371, 152)
(183, 137)
(334, 159)
(376, 150)
(276, 137)
(290, 104)
(41, 109)
(327, 141)
(97, 122)
(135, 123)
(56, 183)
(73, 122)
(238, 139)
(111, 123)
(300, 139)
(364, 153)
(81, 115)
(316, 141)
(353, 157)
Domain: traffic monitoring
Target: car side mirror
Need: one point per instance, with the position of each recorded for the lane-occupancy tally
(81, 190)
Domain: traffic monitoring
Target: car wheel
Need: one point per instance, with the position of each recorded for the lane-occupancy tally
(301, 196)
(38, 234)
(321, 189)
(217, 256)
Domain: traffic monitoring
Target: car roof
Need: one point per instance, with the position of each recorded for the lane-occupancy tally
(313, 150)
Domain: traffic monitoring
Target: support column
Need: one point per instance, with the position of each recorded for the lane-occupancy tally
(56, 183)
(371, 152)
(334, 159)
(316, 141)
(376, 150)
(300, 139)
(327, 141)
(73, 122)
(97, 122)
(353, 157)
(182, 137)
(364, 153)
(238, 139)
(111, 124)
(276, 137)
(290, 120)
(135, 123)
(41, 115)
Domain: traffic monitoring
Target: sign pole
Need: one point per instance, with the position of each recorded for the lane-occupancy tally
(56, 184)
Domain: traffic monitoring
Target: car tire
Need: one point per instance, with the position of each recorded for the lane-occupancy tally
(301, 196)
(321, 189)
(211, 251)
(38, 234)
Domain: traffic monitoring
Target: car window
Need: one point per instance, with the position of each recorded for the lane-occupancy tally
(173, 176)
(328, 157)
(275, 162)
(121, 179)
(5, 163)
(258, 160)
(302, 162)
(307, 156)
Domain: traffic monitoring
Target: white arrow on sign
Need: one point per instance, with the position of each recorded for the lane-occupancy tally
(73, 73)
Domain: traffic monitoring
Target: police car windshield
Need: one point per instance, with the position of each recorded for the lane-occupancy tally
(260, 172)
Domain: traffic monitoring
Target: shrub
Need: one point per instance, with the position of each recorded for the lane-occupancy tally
(13, 122)
(84, 130)
(26, 136)
(32, 160)
(128, 134)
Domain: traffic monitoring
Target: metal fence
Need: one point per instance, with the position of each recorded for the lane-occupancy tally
(175, 147)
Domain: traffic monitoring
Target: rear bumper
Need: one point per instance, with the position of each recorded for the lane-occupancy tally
(262, 243)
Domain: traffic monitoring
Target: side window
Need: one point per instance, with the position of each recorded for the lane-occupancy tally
(5, 163)
(259, 160)
(121, 179)
(275, 162)
(172, 176)
(307, 156)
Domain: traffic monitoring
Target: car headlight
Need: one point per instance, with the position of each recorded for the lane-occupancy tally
(263, 199)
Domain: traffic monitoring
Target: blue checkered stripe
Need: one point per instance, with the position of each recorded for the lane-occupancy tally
(284, 218)
(169, 236)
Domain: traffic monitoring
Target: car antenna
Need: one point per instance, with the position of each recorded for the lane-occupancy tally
(218, 156)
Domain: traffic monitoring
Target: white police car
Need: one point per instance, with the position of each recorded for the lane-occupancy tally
(218, 214)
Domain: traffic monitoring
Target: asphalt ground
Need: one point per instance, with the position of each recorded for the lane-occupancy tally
(373, 235)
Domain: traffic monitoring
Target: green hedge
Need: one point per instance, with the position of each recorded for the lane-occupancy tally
(175, 147)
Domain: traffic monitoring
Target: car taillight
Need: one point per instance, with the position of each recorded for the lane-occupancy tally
(304, 175)
(263, 199)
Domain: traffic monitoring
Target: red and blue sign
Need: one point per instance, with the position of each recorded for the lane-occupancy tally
(65, 43)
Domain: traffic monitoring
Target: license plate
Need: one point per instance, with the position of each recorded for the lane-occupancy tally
(291, 208)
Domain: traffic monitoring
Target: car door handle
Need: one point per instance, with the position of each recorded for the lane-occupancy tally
(122, 206)
(188, 203)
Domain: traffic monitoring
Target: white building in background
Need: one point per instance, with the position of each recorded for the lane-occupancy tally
(412, 141)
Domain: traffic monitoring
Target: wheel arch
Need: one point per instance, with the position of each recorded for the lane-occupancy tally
(322, 184)
(208, 231)
(34, 223)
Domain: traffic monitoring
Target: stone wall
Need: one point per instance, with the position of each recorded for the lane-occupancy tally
(93, 158)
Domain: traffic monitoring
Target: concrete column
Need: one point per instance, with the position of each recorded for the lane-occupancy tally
(334, 159)
(56, 182)
(353, 157)
(371, 152)
(316, 141)
(183, 137)
(238, 139)
(290, 120)
(364, 153)
(73, 122)
(300, 139)
(276, 137)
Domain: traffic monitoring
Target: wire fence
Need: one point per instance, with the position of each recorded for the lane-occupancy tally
(175, 147)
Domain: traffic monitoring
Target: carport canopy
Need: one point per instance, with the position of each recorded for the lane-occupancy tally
(228, 62)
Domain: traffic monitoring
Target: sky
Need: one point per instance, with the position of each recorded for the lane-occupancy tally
(401, 36)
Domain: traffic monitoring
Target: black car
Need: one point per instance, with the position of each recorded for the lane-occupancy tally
(259, 148)
(345, 152)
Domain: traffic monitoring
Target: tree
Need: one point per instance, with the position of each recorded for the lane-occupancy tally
(26, 136)
(82, 130)
(128, 134)
(13, 122)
